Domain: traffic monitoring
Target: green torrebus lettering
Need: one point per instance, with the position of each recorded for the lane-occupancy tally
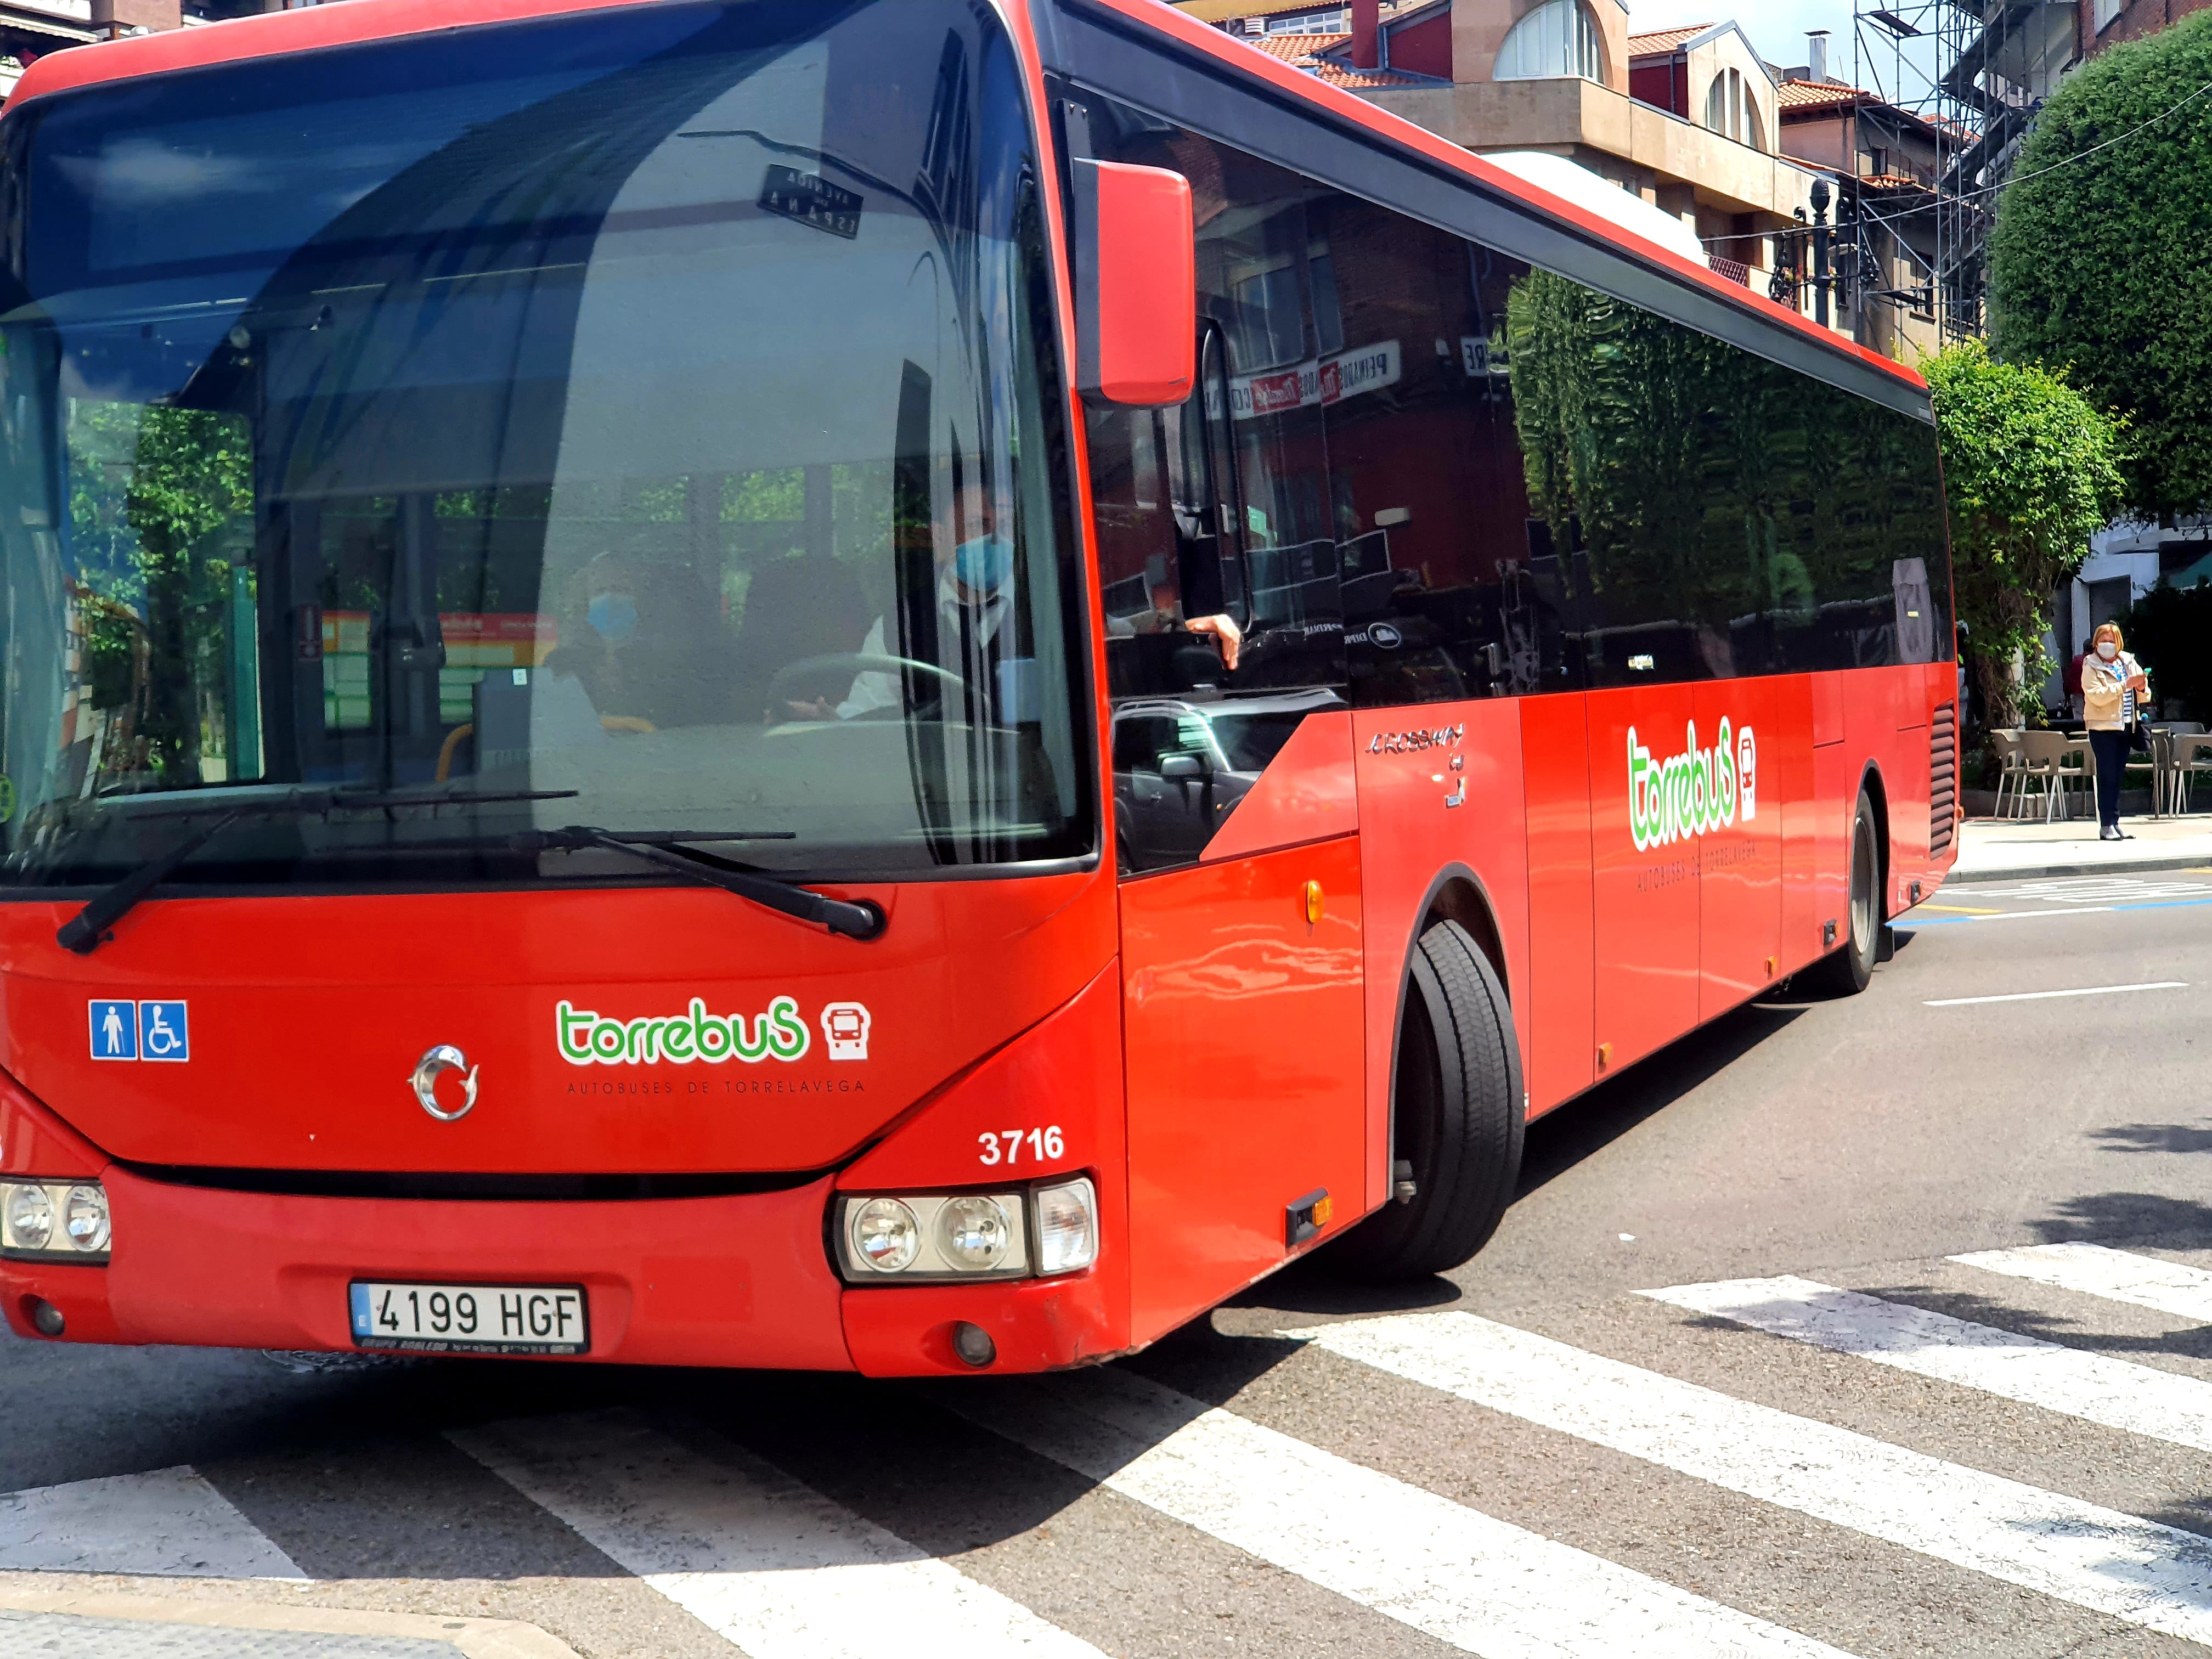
(1691, 794)
(587, 1040)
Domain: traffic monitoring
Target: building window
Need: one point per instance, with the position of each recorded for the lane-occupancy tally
(2106, 11)
(1732, 111)
(1556, 39)
(1336, 21)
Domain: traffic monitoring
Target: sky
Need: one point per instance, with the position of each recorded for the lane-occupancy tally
(1776, 28)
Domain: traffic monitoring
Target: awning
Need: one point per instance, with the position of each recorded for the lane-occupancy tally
(10, 18)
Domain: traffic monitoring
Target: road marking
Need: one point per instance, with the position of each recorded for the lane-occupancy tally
(2082, 889)
(2024, 915)
(1481, 1584)
(2045, 996)
(2090, 1386)
(2119, 1564)
(166, 1524)
(762, 1560)
(2143, 1281)
(1959, 911)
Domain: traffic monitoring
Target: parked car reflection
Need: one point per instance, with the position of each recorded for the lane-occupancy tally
(1181, 765)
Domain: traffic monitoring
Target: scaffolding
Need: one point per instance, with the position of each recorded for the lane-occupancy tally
(1976, 72)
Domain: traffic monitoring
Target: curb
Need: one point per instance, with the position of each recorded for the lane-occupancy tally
(2102, 867)
(476, 1638)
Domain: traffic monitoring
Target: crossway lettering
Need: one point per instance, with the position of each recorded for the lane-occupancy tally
(1480, 1584)
(765, 1562)
(2143, 1281)
(2128, 1568)
(2090, 1386)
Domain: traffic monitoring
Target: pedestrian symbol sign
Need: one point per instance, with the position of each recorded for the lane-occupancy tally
(162, 1033)
(140, 1030)
(114, 1030)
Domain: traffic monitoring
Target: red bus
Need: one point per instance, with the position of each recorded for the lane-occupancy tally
(902, 687)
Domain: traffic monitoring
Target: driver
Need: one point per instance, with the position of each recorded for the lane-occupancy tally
(975, 605)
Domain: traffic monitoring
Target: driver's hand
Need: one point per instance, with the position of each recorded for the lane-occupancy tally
(1226, 634)
(820, 709)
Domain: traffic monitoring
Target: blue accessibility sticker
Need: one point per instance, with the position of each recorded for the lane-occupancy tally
(162, 1032)
(114, 1030)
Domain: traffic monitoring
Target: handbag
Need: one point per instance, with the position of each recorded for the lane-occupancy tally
(2138, 733)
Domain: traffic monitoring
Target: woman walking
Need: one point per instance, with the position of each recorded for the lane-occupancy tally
(2113, 686)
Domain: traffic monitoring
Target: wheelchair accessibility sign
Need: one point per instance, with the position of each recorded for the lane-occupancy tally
(140, 1030)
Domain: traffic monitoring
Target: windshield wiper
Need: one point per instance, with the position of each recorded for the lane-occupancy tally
(85, 932)
(862, 921)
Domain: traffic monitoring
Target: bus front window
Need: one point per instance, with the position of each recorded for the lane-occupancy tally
(654, 411)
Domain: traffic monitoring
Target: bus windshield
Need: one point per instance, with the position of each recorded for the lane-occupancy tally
(647, 419)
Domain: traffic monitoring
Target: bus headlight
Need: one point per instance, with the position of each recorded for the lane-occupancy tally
(1066, 1226)
(885, 1235)
(972, 1233)
(934, 1236)
(54, 1221)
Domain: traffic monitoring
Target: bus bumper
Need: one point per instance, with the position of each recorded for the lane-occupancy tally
(739, 1280)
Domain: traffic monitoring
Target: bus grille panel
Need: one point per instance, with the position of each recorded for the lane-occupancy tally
(1943, 776)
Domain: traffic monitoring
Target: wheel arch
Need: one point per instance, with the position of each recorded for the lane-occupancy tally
(1457, 894)
(1870, 781)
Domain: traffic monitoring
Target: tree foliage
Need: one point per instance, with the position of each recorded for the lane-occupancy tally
(2099, 265)
(150, 488)
(2032, 470)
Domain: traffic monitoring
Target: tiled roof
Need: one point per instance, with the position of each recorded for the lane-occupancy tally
(1816, 94)
(1645, 45)
(1294, 46)
(1343, 75)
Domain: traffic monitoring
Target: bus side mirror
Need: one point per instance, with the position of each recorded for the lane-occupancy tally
(1136, 285)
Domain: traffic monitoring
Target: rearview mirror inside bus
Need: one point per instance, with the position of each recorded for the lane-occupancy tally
(1136, 284)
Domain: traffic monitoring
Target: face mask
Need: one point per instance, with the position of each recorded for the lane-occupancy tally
(984, 563)
(2108, 650)
(613, 615)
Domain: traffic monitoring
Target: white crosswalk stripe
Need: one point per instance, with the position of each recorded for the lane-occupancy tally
(772, 1567)
(1481, 1584)
(767, 1563)
(2149, 1575)
(2090, 1386)
(2143, 1281)
(166, 1524)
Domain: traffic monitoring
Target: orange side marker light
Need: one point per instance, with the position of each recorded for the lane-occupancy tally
(1313, 901)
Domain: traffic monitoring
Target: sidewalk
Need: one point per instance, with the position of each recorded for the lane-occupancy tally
(1999, 849)
(76, 1624)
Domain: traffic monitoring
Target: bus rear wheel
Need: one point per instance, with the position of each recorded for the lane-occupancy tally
(1457, 1116)
(1847, 970)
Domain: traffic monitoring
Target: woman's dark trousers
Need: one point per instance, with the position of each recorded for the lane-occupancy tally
(2110, 749)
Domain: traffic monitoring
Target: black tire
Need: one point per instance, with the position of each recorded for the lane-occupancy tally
(1847, 970)
(1457, 1112)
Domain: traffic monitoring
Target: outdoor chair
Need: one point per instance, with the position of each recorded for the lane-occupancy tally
(2191, 756)
(2037, 775)
(2011, 769)
(2059, 761)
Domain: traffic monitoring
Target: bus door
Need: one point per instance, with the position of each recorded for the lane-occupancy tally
(1644, 870)
(1740, 885)
(1240, 921)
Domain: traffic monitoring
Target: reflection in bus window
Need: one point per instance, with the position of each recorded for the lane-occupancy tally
(489, 426)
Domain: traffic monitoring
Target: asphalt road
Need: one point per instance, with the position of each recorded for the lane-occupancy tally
(1829, 1435)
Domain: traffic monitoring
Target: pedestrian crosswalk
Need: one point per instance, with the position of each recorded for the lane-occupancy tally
(766, 1554)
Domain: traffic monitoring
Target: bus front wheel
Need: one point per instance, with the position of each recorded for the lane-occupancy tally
(1457, 1116)
(1847, 970)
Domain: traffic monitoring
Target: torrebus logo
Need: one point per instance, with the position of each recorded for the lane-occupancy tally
(587, 1040)
(1694, 793)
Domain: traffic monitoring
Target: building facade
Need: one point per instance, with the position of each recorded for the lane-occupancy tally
(1686, 121)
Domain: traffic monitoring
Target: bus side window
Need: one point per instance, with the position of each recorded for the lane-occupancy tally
(1428, 498)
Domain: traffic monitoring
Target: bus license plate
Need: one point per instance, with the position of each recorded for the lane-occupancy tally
(497, 1319)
